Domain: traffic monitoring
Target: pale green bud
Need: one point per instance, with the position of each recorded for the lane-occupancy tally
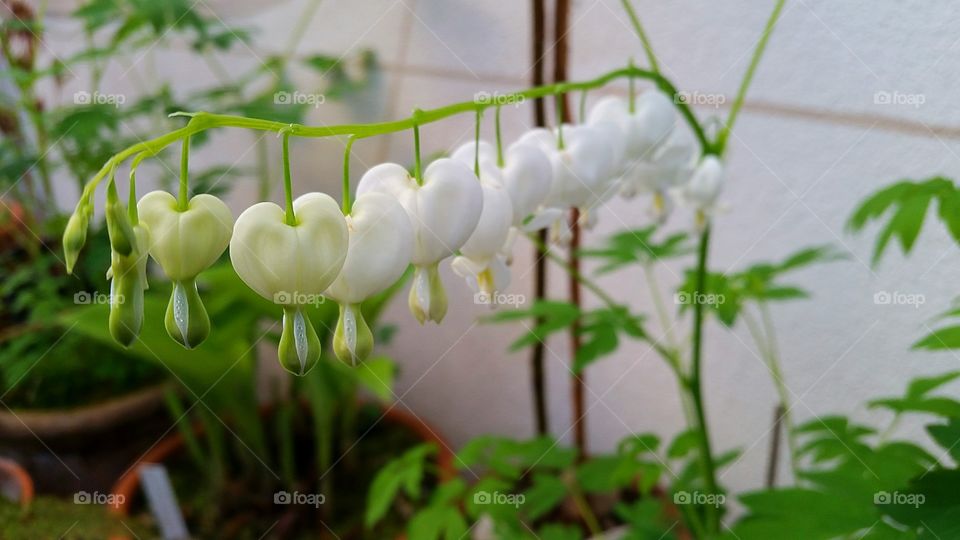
(75, 235)
(299, 349)
(352, 340)
(427, 300)
(186, 319)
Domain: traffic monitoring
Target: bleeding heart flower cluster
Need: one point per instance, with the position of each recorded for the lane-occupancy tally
(470, 207)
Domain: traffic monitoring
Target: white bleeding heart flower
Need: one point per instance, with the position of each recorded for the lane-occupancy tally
(128, 281)
(704, 187)
(443, 211)
(671, 166)
(646, 128)
(481, 258)
(380, 249)
(185, 242)
(292, 265)
(581, 170)
(527, 175)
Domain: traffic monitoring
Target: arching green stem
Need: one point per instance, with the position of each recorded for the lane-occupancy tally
(347, 203)
(202, 121)
(184, 200)
(291, 218)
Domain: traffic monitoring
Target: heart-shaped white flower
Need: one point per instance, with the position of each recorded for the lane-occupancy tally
(581, 169)
(648, 127)
(292, 265)
(381, 245)
(480, 257)
(444, 212)
(704, 187)
(526, 174)
(380, 248)
(185, 242)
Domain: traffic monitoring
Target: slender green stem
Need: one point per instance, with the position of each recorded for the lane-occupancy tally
(583, 107)
(583, 507)
(650, 274)
(476, 144)
(183, 201)
(696, 388)
(417, 171)
(500, 161)
(347, 203)
(558, 102)
(765, 339)
(721, 143)
(291, 219)
(132, 195)
(202, 121)
(644, 40)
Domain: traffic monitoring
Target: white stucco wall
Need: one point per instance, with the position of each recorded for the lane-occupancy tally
(812, 142)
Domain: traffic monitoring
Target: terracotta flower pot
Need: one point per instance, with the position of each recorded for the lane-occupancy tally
(14, 480)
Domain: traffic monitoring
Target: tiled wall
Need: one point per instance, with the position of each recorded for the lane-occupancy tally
(812, 141)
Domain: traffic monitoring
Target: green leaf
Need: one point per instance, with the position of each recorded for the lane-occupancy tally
(638, 247)
(907, 203)
(543, 496)
(403, 473)
(947, 436)
(943, 338)
(798, 513)
(547, 317)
